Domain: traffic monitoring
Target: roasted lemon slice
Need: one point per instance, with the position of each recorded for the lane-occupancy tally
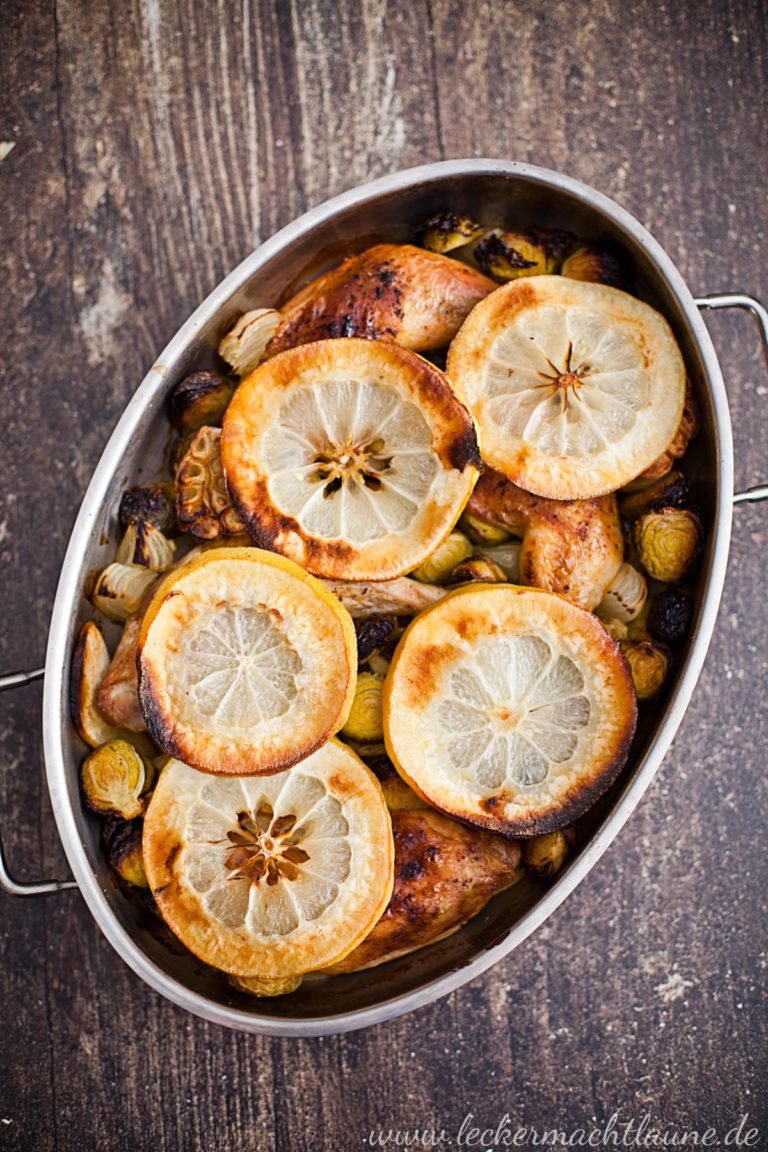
(246, 663)
(352, 457)
(508, 707)
(271, 876)
(576, 388)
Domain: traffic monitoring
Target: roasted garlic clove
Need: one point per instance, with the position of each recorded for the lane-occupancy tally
(113, 779)
(253, 986)
(648, 663)
(544, 856)
(122, 848)
(625, 595)
(144, 546)
(670, 491)
(200, 398)
(668, 542)
(203, 505)
(479, 532)
(90, 663)
(439, 566)
(155, 504)
(592, 264)
(449, 230)
(244, 345)
(120, 589)
(478, 569)
(669, 616)
(365, 720)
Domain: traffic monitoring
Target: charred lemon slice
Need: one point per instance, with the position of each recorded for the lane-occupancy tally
(576, 388)
(246, 663)
(508, 707)
(270, 877)
(352, 457)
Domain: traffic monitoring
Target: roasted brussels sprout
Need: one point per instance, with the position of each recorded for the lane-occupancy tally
(199, 399)
(544, 856)
(669, 616)
(120, 589)
(478, 569)
(364, 721)
(113, 779)
(90, 663)
(624, 596)
(254, 986)
(449, 230)
(479, 532)
(648, 663)
(155, 504)
(437, 567)
(244, 345)
(671, 491)
(668, 543)
(203, 506)
(144, 546)
(509, 255)
(122, 848)
(372, 635)
(592, 264)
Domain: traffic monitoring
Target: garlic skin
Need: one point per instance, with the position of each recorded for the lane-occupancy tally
(625, 595)
(145, 546)
(244, 345)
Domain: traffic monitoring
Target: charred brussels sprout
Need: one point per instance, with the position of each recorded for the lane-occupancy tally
(373, 634)
(113, 779)
(668, 542)
(203, 506)
(594, 265)
(544, 856)
(449, 230)
(479, 532)
(364, 722)
(122, 847)
(648, 663)
(669, 616)
(671, 491)
(438, 567)
(480, 570)
(199, 399)
(155, 504)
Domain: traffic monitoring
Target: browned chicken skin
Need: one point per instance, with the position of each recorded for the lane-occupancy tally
(444, 874)
(390, 292)
(573, 547)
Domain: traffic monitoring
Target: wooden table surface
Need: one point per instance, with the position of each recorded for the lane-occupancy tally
(156, 144)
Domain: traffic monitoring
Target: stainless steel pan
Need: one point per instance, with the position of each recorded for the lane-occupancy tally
(493, 191)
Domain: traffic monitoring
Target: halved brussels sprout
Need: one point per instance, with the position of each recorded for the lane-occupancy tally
(373, 634)
(244, 345)
(365, 720)
(669, 616)
(668, 542)
(479, 532)
(144, 546)
(591, 264)
(671, 491)
(113, 779)
(478, 569)
(544, 856)
(625, 595)
(155, 504)
(203, 505)
(449, 230)
(200, 398)
(122, 848)
(649, 665)
(90, 663)
(254, 986)
(120, 590)
(438, 567)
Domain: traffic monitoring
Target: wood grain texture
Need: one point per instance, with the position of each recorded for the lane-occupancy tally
(155, 144)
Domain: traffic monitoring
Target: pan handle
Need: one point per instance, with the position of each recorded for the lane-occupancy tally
(7, 883)
(760, 314)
